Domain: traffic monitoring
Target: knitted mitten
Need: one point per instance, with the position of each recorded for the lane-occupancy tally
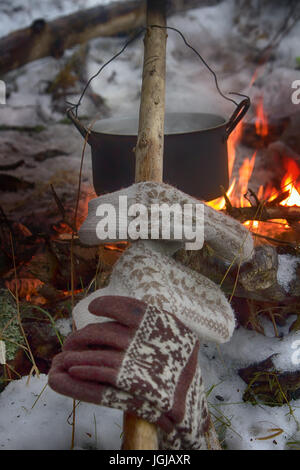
(228, 237)
(150, 366)
(143, 362)
(146, 273)
(150, 363)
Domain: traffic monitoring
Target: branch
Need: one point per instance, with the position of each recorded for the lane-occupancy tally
(43, 39)
(267, 212)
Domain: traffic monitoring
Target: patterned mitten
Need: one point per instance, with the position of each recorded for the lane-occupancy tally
(228, 237)
(182, 306)
(146, 273)
(143, 362)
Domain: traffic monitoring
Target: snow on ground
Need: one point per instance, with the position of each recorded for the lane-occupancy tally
(287, 266)
(190, 87)
(36, 418)
(245, 424)
(29, 423)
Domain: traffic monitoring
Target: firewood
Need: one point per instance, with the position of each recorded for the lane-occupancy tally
(256, 279)
(43, 39)
(267, 212)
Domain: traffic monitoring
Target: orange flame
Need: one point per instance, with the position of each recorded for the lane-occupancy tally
(245, 173)
(233, 141)
(239, 187)
(289, 181)
(261, 121)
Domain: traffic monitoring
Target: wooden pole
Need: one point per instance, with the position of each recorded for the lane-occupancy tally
(150, 143)
(138, 433)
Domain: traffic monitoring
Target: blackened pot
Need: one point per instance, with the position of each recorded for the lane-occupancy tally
(195, 151)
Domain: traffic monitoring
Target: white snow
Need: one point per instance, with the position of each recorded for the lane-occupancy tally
(244, 424)
(287, 265)
(29, 423)
(64, 326)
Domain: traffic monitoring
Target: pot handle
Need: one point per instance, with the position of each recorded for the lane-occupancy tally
(82, 129)
(237, 115)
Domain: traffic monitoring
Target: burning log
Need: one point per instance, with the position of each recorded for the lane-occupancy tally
(43, 39)
(265, 212)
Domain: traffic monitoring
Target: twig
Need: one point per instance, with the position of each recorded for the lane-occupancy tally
(62, 209)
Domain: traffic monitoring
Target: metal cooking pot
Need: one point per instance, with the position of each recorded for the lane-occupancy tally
(195, 151)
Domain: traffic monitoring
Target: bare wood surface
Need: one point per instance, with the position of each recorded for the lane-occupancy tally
(138, 433)
(255, 280)
(43, 39)
(150, 143)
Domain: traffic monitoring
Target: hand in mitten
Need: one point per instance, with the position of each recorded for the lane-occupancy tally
(228, 237)
(144, 362)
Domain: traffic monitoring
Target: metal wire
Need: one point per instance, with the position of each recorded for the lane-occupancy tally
(75, 106)
(201, 58)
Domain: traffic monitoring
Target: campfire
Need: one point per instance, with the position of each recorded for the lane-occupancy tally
(254, 209)
(240, 195)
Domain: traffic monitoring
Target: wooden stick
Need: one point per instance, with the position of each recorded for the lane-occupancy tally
(150, 143)
(138, 433)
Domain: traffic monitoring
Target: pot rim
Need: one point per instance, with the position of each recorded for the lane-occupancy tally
(193, 116)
